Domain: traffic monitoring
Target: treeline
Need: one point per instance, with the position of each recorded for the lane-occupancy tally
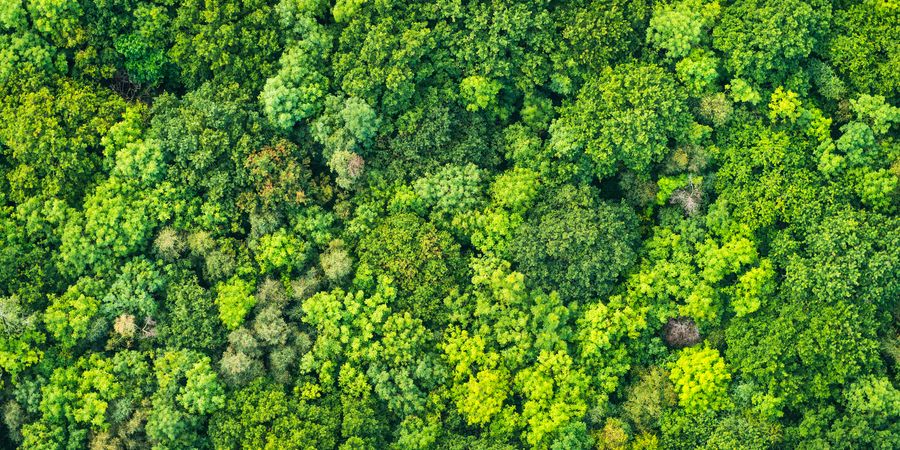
(392, 224)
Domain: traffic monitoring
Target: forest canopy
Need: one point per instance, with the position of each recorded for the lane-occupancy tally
(487, 224)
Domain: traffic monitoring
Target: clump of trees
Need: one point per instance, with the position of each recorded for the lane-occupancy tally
(455, 225)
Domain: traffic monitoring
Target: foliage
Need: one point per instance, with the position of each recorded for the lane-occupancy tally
(297, 90)
(700, 379)
(261, 416)
(576, 244)
(514, 348)
(766, 40)
(639, 109)
(418, 257)
(234, 299)
(488, 225)
(69, 317)
(679, 27)
(188, 392)
(51, 135)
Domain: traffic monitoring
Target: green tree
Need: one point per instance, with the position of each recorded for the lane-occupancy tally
(627, 115)
(492, 229)
(52, 134)
(20, 339)
(597, 34)
(345, 129)
(873, 406)
(192, 320)
(574, 243)
(234, 299)
(681, 26)
(133, 290)
(425, 263)
(263, 416)
(205, 138)
(68, 318)
(117, 219)
(281, 252)
(863, 47)
(820, 352)
(508, 347)
(452, 189)
(766, 40)
(701, 380)
(225, 40)
(90, 396)
(281, 182)
(188, 393)
(298, 89)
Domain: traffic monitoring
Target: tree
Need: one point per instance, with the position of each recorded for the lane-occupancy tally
(504, 45)
(234, 299)
(92, 395)
(281, 252)
(873, 404)
(68, 318)
(205, 138)
(550, 387)
(362, 345)
(27, 53)
(20, 339)
(690, 270)
(143, 49)
(451, 190)
(419, 258)
(602, 335)
(679, 27)
(55, 153)
(336, 262)
(133, 290)
(439, 135)
(188, 393)
(281, 181)
(755, 163)
(701, 380)
(638, 108)
(390, 60)
(492, 229)
(478, 92)
(863, 50)
(716, 108)
(60, 21)
(117, 220)
(241, 362)
(575, 243)
(765, 40)
(298, 89)
(845, 290)
(753, 286)
(263, 416)
(648, 398)
(698, 71)
(508, 347)
(876, 112)
(225, 40)
(191, 321)
(597, 34)
(742, 432)
(345, 129)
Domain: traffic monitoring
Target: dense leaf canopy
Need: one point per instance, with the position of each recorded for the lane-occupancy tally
(443, 224)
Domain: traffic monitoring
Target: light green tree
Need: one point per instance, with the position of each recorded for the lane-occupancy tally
(234, 299)
(701, 380)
